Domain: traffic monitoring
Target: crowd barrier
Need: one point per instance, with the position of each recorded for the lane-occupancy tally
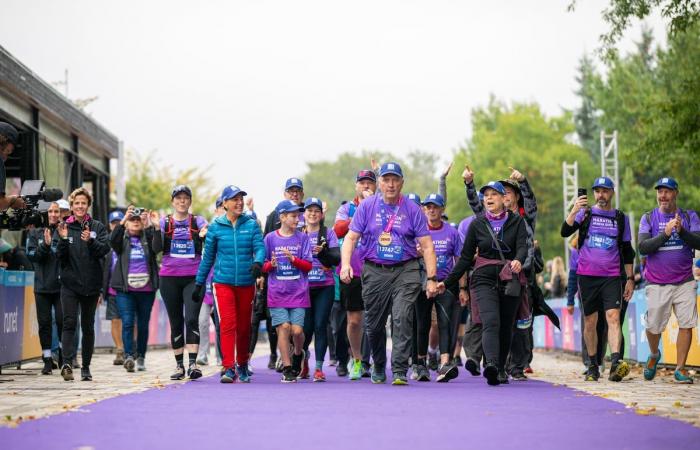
(636, 346)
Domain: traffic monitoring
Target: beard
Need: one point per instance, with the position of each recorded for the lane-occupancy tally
(603, 202)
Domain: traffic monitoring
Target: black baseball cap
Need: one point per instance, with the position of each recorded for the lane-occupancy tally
(366, 175)
(9, 132)
(179, 189)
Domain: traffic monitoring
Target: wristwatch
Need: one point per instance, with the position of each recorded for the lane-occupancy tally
(630, 278)
(433, 278)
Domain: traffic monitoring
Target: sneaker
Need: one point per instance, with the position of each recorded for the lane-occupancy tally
(414, 372)
(518, 375)
(48, 366)
(319, 376)
(457, 361)
(592, 374)
(356, 370)
(278, 366)
(491, 374)
(288, 375)
(378, 375)
(682, 377)
(433, 361)
(304, 373)
(472, 367)
(272, 363)
(129, 363)
(528, 370)
(203, 361)
(242, 373)
(119, 358)
(366, 370)
(296, 364)
(650, 366)
(333, 363)
(85, 374)
(179, 373)
(447, 372)
(341, 370)
(194, 372)
(229, 376)
(55, 362)
(249, 369)
(619, 371)
(67, 372)
(502, 377)
(422, 373)
(399, 379)
(140, 363)
(76, 364)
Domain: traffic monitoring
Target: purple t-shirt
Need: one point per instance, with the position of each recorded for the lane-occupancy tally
(182, 260)
(287, 286)
(599, 255)
(319, 275)
(497, 222)
(672, 263)
(115, 258)
(209, 293)
(138, 264)
(346, 212)
(372, 218)
(463, 228)
(448, 247)
(573, 260)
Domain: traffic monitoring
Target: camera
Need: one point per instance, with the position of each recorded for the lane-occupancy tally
(37, 200)
(136, 212)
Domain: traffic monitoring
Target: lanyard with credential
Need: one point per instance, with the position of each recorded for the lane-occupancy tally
(385, 237)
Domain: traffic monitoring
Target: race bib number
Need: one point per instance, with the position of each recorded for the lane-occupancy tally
(442, 261)
(137, 254)
(391, 252)
(182, 248)
(286, 271)
(317, 274)
(674, 243)
(600, 241)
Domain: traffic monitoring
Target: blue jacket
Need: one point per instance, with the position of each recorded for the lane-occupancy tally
(232, 250)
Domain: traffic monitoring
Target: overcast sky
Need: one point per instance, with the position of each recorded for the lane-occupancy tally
(258, 88)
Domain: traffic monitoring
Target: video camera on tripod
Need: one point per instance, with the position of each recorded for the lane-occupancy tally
(37, 200)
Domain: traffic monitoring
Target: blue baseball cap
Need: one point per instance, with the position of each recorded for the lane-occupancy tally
(116, 216)
(390, 168)
(414, 197)
(286, 206)
(667, 182)
(435, 199)
(219, 203)
(231, 191)
(604, 182)
(292, 183)
(313, 201)
(495, 185)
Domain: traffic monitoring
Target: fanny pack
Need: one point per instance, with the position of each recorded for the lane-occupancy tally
(138, 280)
(512, 282)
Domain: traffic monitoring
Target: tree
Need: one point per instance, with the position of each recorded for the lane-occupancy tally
(150, 183)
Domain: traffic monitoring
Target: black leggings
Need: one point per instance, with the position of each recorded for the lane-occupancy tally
(448, 313)
(177, 293)
(497, 312)
(260, 313)
(44, 303)
(70, 302)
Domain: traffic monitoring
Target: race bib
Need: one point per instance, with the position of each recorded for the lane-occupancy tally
(182, 248)
(673, 243)
(442, 261)
(600, 241)
(317, 274)
(137, 254)
(286, 271)
(391, 252)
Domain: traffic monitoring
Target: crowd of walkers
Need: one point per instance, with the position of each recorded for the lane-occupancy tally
(387, 257)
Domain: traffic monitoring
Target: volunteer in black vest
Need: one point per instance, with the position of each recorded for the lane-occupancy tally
(82, 246)
(178, 237)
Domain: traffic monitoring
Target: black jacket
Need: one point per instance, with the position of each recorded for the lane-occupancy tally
(122, 247)
(514, 236)
(46, 270)
(82, 263)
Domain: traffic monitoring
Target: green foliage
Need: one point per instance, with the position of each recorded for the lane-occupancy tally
(585, 120)
(150, 183)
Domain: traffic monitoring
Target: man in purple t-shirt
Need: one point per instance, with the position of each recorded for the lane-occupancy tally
(667, 236)
(388, 226)
(604, 246)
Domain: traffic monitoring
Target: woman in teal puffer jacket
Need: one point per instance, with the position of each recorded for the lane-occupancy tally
(234, 247)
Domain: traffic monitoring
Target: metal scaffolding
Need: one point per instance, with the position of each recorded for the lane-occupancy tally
(609, 165)
(570, 187)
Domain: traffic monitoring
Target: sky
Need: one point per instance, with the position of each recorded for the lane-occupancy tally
(256, 89)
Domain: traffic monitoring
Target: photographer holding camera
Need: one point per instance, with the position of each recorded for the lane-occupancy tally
(83, 243)
(8, 140)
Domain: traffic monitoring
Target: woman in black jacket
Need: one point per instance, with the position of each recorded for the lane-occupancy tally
(82, 244)
(490, 277)
(135, 279)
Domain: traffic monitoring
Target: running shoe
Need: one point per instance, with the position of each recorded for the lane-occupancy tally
(356, 370)
(249, 369)
(242, 373)
(491, 374)
(76, 364)
(304, 373)
(650, 366)
(366, 370)
(472, 367)
(229, 376)
(85, 374)
(378, 375)
(342, 370)
(518, 375)
(414, 372)
(288, 375)
(433, 361)
(422, 373)
(319, 376)
(272, 364)
(682, 377)
(528, 370)
(619, 371)
(457, 361)
(179, 373)
(67, 372)
(203, 361)
(48, 366)
(140, 363)
(119, 358)
(399, 379)
(279, 366)
(194, 372)
(333, 363)
(502, 377)
(296, 364)
(447, 372)
(129, 363)
(592, 374)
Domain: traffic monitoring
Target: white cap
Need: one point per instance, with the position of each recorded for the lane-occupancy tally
(63, 204)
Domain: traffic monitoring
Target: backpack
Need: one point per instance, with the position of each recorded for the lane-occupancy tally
(193, 230)
(586, 223)
(654, 229)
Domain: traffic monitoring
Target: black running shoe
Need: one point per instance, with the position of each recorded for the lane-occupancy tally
(366, 370)
(422, 373)
(472, 367)
(296, 363)
(342, 369)
(447, 372)
(491, 375)
(67, 372)
(619, 371)
(194, 372)
(85, 374)
(48, 366)
(502, 377)
(592, 374)
(518, 375)
(433, 361)
(273, 361)
(179, 373)
(288, 375)
(457, 361)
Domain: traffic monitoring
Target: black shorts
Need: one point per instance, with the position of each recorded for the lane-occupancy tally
(599, 293)
(112, 309)
(351, 295)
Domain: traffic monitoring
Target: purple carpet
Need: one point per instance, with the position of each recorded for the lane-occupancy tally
(340, 414)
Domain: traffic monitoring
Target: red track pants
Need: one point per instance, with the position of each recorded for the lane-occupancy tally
(235, 305)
